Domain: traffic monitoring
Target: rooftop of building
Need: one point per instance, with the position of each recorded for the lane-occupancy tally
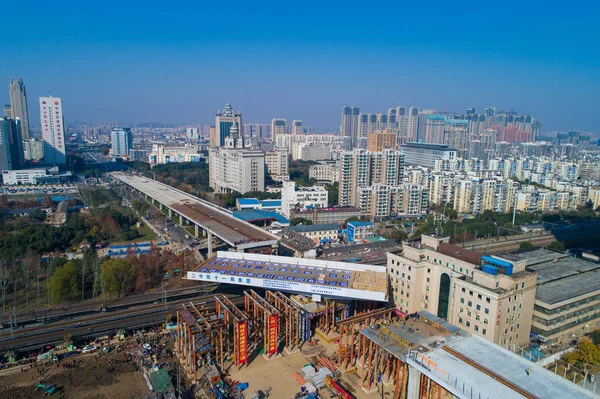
(331, 209)
(569, 287)
(271, 202)
(534, 256)
(429, 146)
(314, 227)
(255, 215)
(460, 253)
(248, 201)
(358, 223)
(561, 268)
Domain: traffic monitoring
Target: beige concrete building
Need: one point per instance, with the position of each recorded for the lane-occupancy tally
(379, 141)
(567, 301)
(277, 162)
(324, 172)
(485, 295)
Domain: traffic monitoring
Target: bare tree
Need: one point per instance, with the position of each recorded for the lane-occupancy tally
(29, 267)
(4, 281)
(94, 266)
(14, 277)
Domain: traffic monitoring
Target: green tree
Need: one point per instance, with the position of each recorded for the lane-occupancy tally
(595, 337)
(332, 193)
(396, 234)
(38, 215)
(556, 246)
(118, 276)
(352, 219)
(526, 245)
(590, 354)
(302, 221)
(64, 283)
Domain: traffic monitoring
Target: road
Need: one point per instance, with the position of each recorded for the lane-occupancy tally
(209, 217)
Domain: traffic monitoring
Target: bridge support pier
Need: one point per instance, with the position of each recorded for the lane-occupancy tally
(414, 383)
(196, 230)
(180, 220)
(170, 213)
(210, 248)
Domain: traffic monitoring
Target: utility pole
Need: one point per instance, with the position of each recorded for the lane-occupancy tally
(162, 286)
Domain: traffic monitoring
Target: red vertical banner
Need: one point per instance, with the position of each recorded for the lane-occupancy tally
(273, 333)
(243, 344)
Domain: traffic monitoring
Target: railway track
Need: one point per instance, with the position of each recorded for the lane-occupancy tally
(85, 310)
(104, 324)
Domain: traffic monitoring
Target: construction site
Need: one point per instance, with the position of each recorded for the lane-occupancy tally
(296, 345)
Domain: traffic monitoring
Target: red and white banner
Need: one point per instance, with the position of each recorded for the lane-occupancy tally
(273, 333)
(243, 342)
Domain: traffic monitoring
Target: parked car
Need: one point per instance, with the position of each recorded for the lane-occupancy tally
(89, 349)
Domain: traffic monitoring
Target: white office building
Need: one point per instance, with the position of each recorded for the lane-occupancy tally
(53, 131)
(294, 197)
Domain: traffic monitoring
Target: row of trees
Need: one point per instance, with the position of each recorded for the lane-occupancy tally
(91, 276)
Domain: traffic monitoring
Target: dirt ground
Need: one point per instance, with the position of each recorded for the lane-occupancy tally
(276, 376)
(104, 377)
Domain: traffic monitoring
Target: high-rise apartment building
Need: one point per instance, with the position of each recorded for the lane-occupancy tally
(33, 149)
(18, 105)
(361, 168)
(434, 129)
(278, 127)
(297, 127)
(380, 201)
(53, 133)
(11, 145)
(349, 125)
(412, 125)
(122, 141)
(379, 141)
(485, 295)
(224, 120)
(402, 120)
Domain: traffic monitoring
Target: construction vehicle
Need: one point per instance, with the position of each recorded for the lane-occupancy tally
(330, 383)
(47, 388)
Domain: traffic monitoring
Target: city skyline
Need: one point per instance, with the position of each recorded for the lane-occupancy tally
(306, 64)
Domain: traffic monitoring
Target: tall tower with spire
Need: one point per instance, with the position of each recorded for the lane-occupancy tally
(224, 121)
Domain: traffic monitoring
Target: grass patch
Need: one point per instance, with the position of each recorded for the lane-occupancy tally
(98, 197)
(145, 234)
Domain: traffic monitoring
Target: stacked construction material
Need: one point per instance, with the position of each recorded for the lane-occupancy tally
(307, 371)
(318, 380)
(325, 362)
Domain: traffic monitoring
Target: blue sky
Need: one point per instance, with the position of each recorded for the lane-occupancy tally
(177, 62)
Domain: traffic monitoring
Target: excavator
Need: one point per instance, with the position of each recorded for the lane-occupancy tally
(48, 389)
